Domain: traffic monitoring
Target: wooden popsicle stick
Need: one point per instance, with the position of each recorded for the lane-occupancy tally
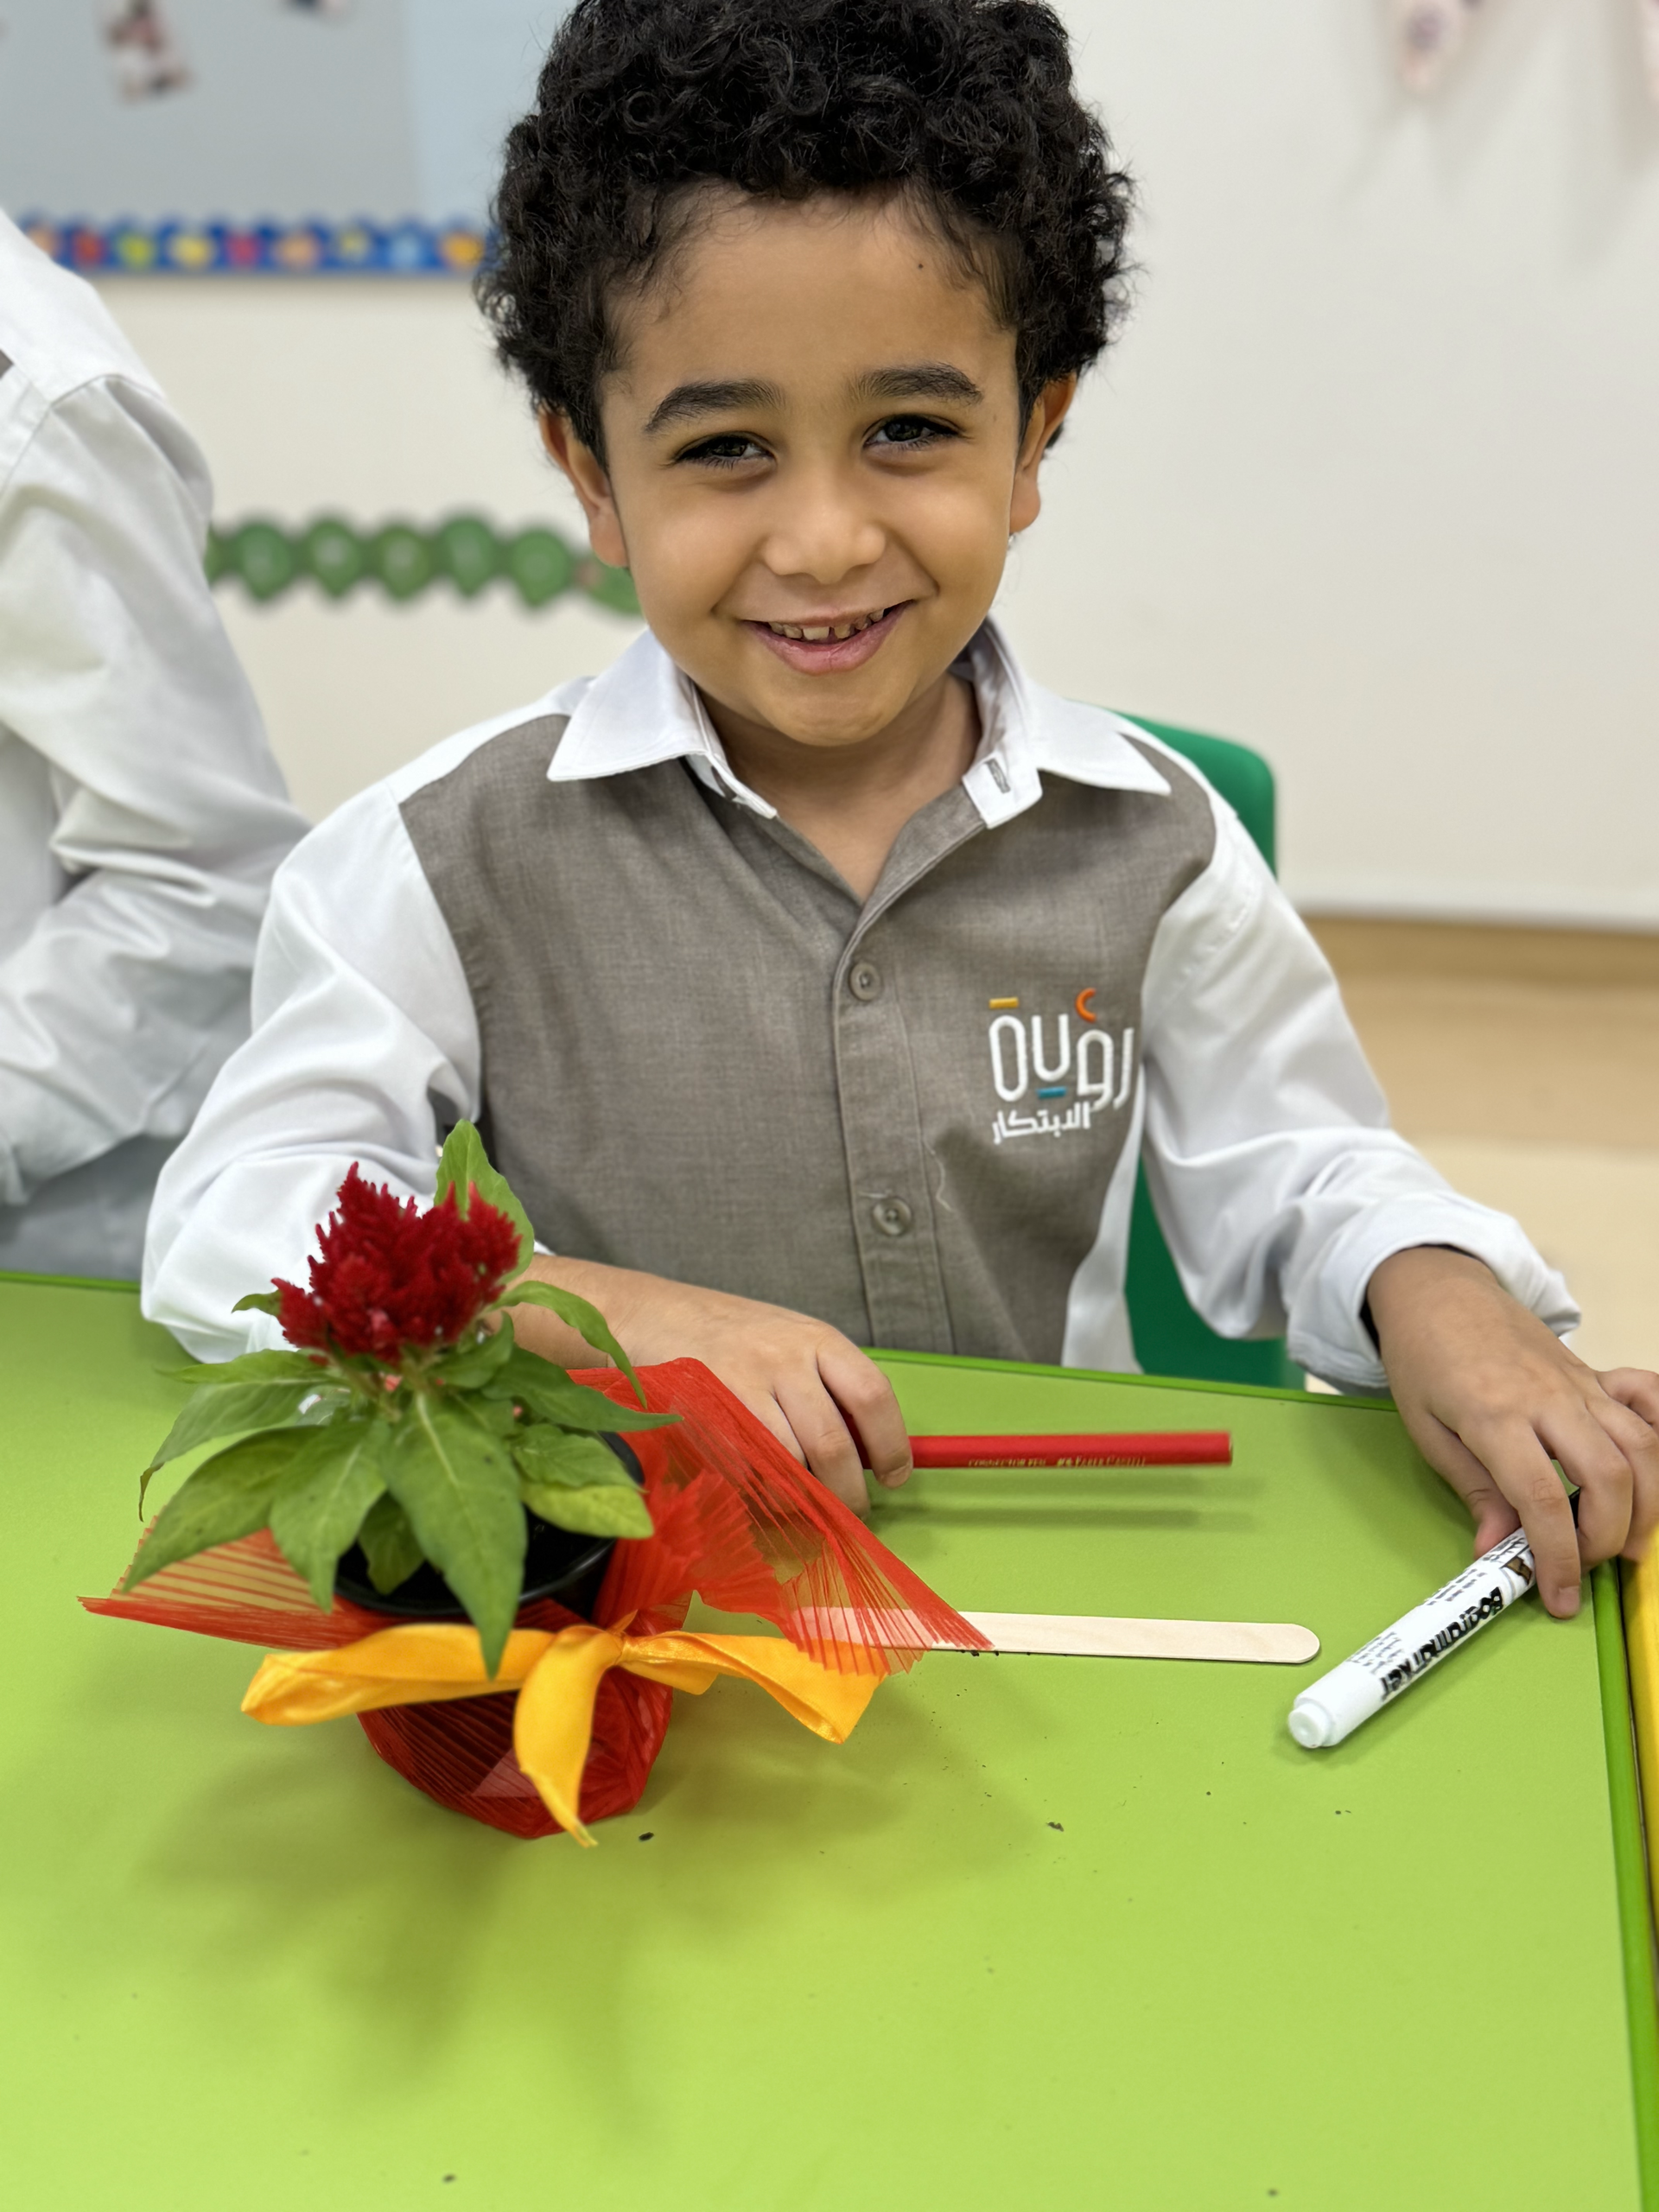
(1277, 1643)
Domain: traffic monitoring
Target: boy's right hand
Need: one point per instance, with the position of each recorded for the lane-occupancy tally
(818, 1394)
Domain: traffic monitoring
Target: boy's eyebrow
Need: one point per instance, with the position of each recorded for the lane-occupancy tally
(919, 380)
(915, 380)
(687, 401)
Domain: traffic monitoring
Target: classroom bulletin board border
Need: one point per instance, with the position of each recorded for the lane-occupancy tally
(467, 552)
(311, 249)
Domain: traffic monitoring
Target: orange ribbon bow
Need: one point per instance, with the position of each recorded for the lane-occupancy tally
(556, 1675)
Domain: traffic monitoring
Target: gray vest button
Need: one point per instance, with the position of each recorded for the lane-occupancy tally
(892, 1216)
(864, 980)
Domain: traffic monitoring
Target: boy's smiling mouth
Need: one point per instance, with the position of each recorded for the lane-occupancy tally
(834, 643)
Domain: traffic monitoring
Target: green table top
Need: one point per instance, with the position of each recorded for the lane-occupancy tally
(1046, 1930)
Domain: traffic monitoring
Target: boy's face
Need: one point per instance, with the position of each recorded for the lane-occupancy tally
(815, 427)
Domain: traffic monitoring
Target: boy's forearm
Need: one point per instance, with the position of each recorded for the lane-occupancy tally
(1398, 1282)
(617, 1292)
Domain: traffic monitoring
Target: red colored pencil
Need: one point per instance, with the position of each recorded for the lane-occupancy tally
(1210, 1447)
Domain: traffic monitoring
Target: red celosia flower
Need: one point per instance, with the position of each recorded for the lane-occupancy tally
(389, 1275)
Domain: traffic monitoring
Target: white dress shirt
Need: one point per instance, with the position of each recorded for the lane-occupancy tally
(141, 812)
(1279, 1184)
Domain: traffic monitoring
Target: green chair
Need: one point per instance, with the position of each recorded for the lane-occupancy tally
(1169, 1337)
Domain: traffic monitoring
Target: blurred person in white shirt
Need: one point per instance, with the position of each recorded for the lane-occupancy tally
(142, 814)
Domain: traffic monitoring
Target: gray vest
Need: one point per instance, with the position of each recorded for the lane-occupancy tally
(702, 1058)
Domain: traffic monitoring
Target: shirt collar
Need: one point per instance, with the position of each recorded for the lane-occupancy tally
(642, 711)
(1028, 732)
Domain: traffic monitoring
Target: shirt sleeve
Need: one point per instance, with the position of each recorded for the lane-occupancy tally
(167, 813)
(1278, 1183)
(365, 1044)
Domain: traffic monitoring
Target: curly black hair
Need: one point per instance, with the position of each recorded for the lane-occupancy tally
(966, 105)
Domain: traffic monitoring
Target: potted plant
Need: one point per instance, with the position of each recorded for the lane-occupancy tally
(405, 1450)
(403, 1456)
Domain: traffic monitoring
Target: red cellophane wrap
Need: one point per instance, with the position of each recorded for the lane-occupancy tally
(738, 1523)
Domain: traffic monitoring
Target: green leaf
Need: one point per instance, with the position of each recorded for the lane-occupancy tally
(464, 1163)
(548, 1392)
(496, 1415)
(602, 1511)
(328, 1403)
(228, 1495)
(319, 1507)
(577, 1482)
(389, 1544)
(552, 1455)
(469, 1366)
(460, 1489)
(259, 1301)
(586, 1320)
(231, 1412)
(251, 1367)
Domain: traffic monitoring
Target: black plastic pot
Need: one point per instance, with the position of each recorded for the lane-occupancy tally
(558, 1563)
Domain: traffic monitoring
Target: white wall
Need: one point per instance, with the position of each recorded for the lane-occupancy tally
(375, 398)
(1372, 481)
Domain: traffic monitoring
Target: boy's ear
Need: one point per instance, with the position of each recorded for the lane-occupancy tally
(590, 484)
(1042, 428)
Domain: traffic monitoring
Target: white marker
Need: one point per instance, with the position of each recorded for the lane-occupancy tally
(1334, 1707)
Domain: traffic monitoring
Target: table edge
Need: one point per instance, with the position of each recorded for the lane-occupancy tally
(1324, 1401)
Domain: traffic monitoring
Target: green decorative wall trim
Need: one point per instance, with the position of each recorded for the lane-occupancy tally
(402, 559)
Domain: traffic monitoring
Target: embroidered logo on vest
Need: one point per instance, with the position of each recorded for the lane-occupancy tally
(1034, 1054)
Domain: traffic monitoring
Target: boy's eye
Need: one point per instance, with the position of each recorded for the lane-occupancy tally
(726, 450)
(911, 430)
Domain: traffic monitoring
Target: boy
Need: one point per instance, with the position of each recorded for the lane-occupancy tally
(142, 814)
(818, 978)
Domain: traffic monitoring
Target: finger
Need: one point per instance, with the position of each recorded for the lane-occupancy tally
(1520, 1466)
(1452, 1459)
(767, 1411)
(1605, 1480)
(830, 1452)
(871, 1411)
(1636, 1387)
(1637, 1440)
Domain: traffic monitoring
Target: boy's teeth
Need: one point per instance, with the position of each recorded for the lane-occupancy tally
(819, 633)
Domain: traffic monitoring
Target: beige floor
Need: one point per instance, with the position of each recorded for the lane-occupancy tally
(1526, 1065)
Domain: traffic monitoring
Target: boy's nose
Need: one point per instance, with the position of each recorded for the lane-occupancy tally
(822, 529)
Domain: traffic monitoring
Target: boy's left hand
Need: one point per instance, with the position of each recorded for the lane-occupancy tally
(1489, 1397)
